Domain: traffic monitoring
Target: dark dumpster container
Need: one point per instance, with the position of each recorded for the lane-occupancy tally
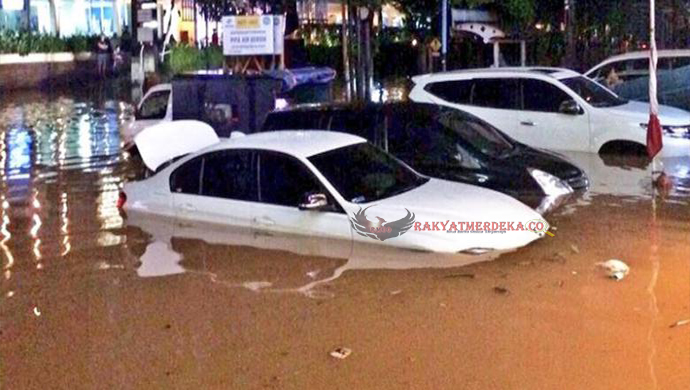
(226, 102)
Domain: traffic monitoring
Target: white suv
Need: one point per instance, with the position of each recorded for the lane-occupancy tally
(554, 108)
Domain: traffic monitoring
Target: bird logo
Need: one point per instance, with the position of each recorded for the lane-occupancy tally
(380, 229)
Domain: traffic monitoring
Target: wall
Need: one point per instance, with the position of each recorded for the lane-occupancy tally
(44, 69)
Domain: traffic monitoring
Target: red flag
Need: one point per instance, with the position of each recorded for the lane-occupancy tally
(654, 142)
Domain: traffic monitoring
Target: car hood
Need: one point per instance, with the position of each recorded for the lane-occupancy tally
(441, 202)
(543, 160)
(639, 111)
(163, 142)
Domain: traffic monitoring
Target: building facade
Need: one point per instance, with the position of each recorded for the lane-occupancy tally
(67, 17)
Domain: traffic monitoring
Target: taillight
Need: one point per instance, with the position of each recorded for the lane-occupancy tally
(121, 199)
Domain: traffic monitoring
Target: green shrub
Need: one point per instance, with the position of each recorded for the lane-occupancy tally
(184, 58)
(24, 43)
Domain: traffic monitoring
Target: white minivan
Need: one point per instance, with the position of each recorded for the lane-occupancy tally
(155, 107)
(554, 108)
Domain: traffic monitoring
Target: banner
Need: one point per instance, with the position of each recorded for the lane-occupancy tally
(248, 35)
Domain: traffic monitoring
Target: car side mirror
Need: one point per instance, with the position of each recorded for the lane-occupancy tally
(313, 201)
(570, 107)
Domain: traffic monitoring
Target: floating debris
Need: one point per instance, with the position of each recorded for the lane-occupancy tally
(313, 274)
(500, 290)
(558, 257)
(615, 269)
(256, 286)
(463, 275)
(341, 353)
(396, 292)
(574, 248)
(680, 323)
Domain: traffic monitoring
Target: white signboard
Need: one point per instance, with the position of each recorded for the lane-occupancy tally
(144, 15)
(145, 35)
(278, 34)
(248, 35)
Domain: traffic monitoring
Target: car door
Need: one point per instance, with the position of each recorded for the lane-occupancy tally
(541, 124)
(494, 99)
(284, 182)
(218, 187)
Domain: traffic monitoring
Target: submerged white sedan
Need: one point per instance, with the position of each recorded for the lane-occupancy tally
(319, 184)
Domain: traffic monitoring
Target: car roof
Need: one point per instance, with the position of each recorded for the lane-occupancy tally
(636, 55)
(645, 54)
(355, 106)
(543, 71)
(299, 143)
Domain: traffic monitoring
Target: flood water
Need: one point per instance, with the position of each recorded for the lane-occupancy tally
(93, 299)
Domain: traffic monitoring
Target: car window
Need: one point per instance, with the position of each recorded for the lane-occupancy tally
(363, 173)
(679, 62)
(664, 63)
(455, 91)
(593, 93)
(284, 180)
(481, 136)
(538, 95)
(230, 174)
(638, 64)
(155, 106)
(186, 179)
(495, 93)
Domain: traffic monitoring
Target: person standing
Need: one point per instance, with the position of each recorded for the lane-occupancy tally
(102, 50)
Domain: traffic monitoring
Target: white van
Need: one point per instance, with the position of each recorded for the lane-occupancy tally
(629, 66)
(154, 107)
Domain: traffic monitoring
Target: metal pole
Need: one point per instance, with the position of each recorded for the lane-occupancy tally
(444, 33)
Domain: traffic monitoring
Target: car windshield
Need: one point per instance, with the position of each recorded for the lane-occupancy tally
(363, 173)
(593, 93)
(480, 135)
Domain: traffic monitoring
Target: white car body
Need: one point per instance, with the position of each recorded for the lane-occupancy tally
(435, 200)
(138, 124)
(587, 131)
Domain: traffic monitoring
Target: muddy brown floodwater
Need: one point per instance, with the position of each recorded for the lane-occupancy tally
(90, 299)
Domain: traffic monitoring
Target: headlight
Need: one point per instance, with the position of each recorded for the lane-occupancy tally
(550, 184)
(673, 131)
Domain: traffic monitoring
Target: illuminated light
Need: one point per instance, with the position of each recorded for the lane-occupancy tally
(414, 42)
(10, 294)
(152, 24)
(281, 104)
(37, 250)
(36, 227)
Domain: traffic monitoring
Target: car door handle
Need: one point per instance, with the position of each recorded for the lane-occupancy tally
(264, 221)
(187, 207)
(527, 123)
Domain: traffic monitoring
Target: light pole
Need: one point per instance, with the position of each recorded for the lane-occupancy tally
(444, 33)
